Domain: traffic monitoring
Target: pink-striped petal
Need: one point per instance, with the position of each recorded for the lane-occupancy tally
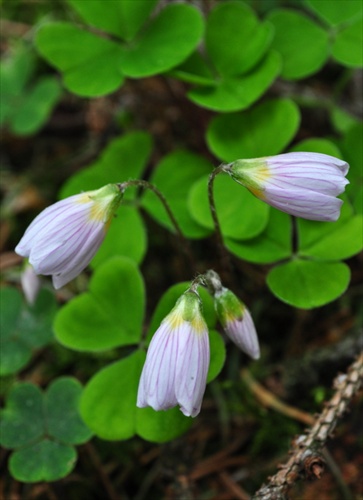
(62, 240)
(177, 362)
(302, 184)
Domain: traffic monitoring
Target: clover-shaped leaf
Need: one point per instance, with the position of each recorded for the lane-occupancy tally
(336, 12)
(318, 145)
(261, 131)
(307, 284)
(24, 327)
(80, 54)
(233, 93)
(331, 240)
(272, 245)
(94, 65)
(123, 19)
(25, 102)
(235, 39)
(46, 460)
(348, 45)
(42, 428)
(166, 41)
(236, 45)
(294, 33)
(116, 300)
(21, 420)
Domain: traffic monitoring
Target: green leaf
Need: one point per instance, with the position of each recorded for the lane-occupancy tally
(168, 300)
(194, 70)
(303, 45)
(352, 147)
(23, 327)
(25, 109)
(217, 355)
(262, 131)
(241, 215)
(318, 145)
(108, 404)
(161, 426)
(124, 158)
(116, 299)
(235, 39)
(14, 354)
(36, 423)
(121, 18)
(335, 12)
(348, 45)
(43, 461)
(22, 419)
(238, 92)
(167, 41)
(36, 106)
(16, 69)
(342, 120)
(88, 62)
(331, 240)
(126, 236)
(173, 177)
(307, 284)
(272, 245)
(61, 403)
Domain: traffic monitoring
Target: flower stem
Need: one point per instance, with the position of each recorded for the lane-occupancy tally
(147, 185)
(225, 257)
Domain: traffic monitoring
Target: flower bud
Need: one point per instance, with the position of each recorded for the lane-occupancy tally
(30, 283)
(237, 322)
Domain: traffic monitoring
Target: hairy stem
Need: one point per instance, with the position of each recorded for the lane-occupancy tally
(225, 258)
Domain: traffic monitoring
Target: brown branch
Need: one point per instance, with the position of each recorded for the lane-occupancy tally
(306, 460)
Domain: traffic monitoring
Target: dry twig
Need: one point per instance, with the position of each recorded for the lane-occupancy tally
(266, 398)
(306, 460)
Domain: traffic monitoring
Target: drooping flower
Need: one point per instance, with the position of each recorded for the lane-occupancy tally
(177, 361)
(301, 184)
(62, 239)
(237, 322)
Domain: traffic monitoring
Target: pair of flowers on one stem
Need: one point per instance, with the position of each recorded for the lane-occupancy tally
(177, 362)
(62, 240)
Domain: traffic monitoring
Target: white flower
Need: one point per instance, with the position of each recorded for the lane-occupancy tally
(177, 362)
(62, 239)
(301, 184)
(237, 322)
